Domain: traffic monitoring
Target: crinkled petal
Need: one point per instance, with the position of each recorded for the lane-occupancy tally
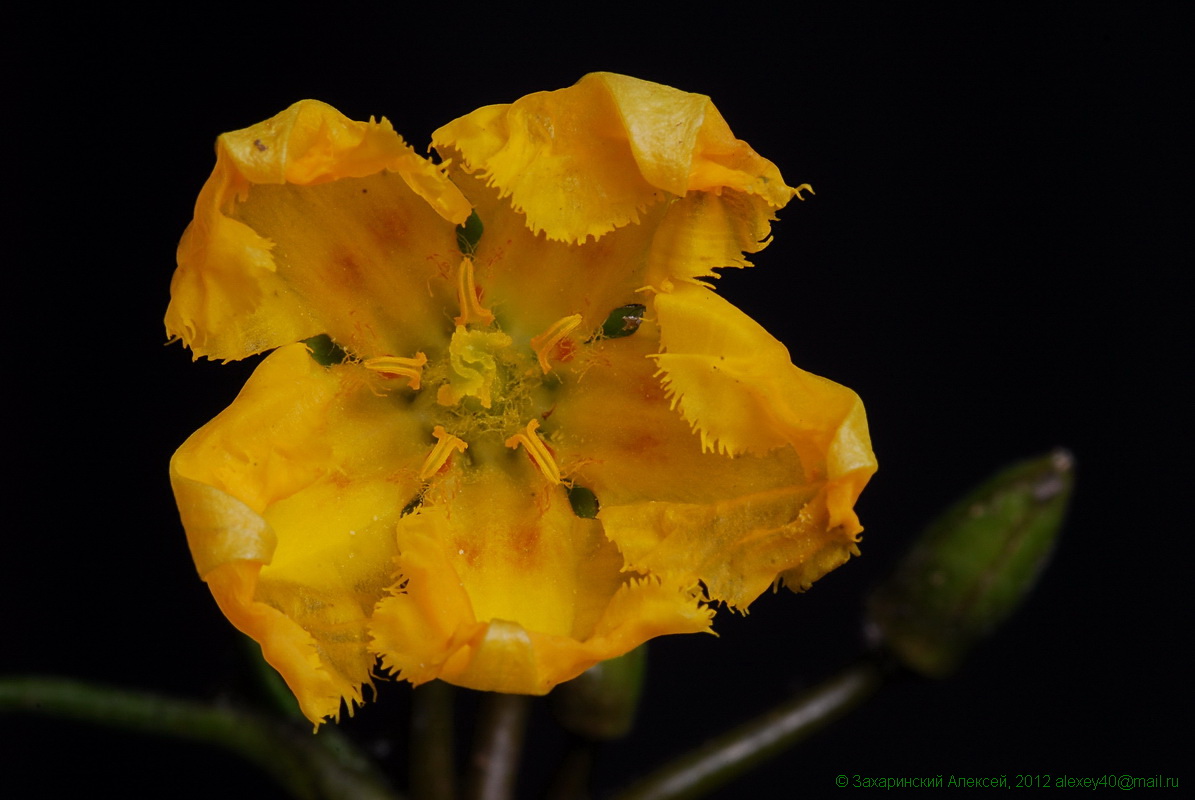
(677, 510)
(704, 231)
(582, 161)
(287, 647)
(313, 223)
(735, 384)
(505, 592)
(289, 499)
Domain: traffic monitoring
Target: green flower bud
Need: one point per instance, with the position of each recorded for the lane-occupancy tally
(973, 566)
(600, 703)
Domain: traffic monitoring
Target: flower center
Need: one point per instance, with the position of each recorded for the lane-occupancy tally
(473, 358)
(483, 395)
(485, 387)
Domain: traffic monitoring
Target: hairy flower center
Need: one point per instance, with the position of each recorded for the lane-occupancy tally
(487, 394)
(484, 386)
(484, 394)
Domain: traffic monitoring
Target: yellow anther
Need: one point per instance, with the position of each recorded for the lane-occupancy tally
(398, 367)
(537, 450)
(472, 311)
(445, 444)
(546, 341)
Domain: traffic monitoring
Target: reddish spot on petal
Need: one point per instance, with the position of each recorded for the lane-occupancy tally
(348, 270)
(642, 443)
(564, 349)
(524, 541)
(388, 225)
(461, 548)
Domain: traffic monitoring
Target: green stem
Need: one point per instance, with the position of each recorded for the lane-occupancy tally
(307, 766)
(495, 764)
(432, 772)
(718, 761)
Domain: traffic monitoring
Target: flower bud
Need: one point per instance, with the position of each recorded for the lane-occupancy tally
(600, 703)
(973, 566)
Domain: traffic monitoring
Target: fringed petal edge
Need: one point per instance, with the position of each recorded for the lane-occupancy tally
(582, 161)
(227, 301)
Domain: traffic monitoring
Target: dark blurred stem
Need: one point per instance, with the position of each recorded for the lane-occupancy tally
(571, 781)
(305, 765)
(718, 761)
(495, 764)
(432, 772)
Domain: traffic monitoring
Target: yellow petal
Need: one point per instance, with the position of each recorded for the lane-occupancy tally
(304, 215)
(582, 161)
(734, 383)
(284, 644)
(704, 231)
(560, 158)
(289, 498)
(505, 592)
(677, 510)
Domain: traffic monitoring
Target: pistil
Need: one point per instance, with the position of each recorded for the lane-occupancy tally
(473, 356)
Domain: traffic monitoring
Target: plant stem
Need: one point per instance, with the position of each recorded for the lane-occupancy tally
(432, 771)
(499, 743)
(719, 760)
(307, 766)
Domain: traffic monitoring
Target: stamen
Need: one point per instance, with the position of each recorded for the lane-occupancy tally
(537, 450)
(445, 444)
(398, 367)
(472, 311)
(546, 341)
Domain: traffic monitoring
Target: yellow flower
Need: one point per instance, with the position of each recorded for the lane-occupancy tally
(546, 443)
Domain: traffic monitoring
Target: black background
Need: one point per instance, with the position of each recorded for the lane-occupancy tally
(990, 261)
